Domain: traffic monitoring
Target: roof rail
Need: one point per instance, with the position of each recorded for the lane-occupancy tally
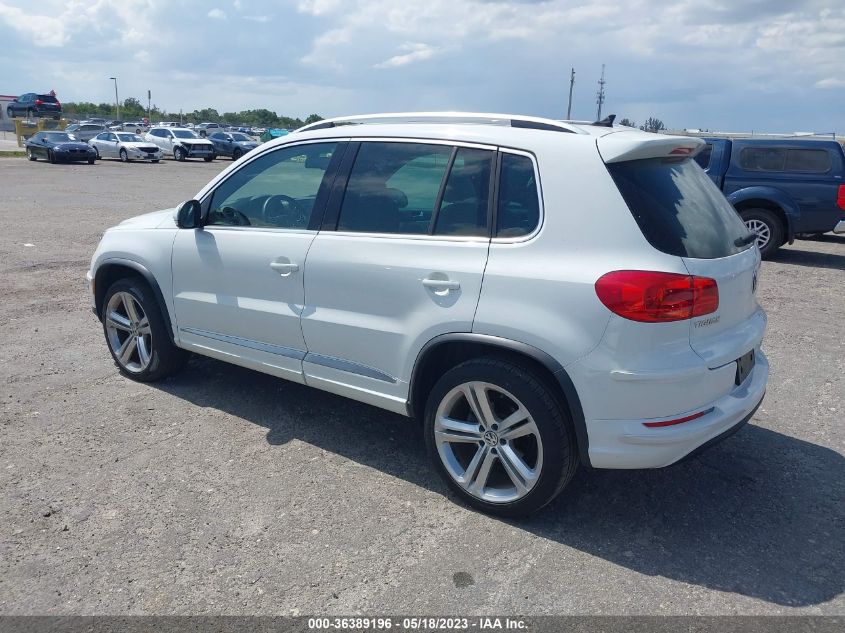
(478, 118)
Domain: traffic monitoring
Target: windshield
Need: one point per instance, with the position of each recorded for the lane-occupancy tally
(130, 138)
(58, 137)
(184, 134)
(241, 137)
(678, 208)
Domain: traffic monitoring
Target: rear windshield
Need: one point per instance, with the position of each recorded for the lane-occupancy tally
(48, 98)
(678, 208)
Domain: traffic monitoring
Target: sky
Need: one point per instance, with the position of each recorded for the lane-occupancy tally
(722, 65)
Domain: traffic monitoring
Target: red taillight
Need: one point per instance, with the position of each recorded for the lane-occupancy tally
(688, 418)
(39, 102)
(655, 297)
(681, 151)
(58, 103)
(840, 197)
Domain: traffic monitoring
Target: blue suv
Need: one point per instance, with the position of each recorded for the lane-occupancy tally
(780, 187)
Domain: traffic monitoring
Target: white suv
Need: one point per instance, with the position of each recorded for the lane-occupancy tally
(539, 294)
(181, 143)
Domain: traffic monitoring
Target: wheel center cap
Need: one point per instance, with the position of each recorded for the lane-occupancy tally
(491, 438)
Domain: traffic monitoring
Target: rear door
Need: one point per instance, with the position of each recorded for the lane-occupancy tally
(399, 261)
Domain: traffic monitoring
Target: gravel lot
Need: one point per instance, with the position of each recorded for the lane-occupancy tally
(227, 491)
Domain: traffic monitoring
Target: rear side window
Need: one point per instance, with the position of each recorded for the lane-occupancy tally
(703, 157)
(678, 208)
(785, 159)
(518, 210)
(393, 188)
(463, 210)
(808, 160)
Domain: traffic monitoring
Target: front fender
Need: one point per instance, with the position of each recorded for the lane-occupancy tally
(773, 195)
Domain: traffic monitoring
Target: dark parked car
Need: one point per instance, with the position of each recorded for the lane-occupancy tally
(58, 147)
(234, 144)
(35, 105)
(781, 188)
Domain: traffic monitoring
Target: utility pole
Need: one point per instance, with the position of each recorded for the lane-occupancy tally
(149, 112)
(600, 94)
(571, 85)
(116, 100)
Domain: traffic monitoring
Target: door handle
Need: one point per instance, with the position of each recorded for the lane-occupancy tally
(284, 268)
(441, 284)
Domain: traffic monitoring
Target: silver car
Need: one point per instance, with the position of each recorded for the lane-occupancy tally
(125, 146)
(85, 131)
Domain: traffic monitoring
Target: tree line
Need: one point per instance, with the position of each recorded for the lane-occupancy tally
(132, 108)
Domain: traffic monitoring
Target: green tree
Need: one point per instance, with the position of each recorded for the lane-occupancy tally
(628, 122)
(653, 124)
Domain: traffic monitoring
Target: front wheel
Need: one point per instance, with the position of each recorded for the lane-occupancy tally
(136, 333)
(51, 157)
(91, 160)
(768, 228)
(208, 159)
(499, 437)
(236, 154)
(124, 156)
(178, 154)
(30, 155)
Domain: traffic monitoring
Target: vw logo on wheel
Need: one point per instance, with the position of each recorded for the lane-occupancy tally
(491, 438)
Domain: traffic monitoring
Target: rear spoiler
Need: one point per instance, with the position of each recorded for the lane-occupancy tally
(635, 145)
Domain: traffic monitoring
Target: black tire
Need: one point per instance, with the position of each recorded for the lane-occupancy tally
(10, 112)
(178, 154)
(772, 224)
(237, 154)
(57, 117)
(155, 160)
(208, 159)
(165, 358)
(96, 152)
(30, 155)
(51, 157)
(91, 161)
(559, 449)
(124, 156)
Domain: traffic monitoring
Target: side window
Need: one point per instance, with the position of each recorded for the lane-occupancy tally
(463, 210)
(393, 188)
(703, 157)
(112, 138)
(762, 159)
(808, 160)
(518, 210)
(277, 190)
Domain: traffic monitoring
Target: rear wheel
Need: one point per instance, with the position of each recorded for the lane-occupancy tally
(499, 437)
(768, 228)
(136, 333)
(208, 159)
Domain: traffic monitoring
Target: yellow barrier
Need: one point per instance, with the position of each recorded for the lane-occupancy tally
(24, 128)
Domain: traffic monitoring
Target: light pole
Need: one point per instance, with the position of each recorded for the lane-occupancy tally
(116, 101)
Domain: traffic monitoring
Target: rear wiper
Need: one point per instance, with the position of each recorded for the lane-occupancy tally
(745, 240)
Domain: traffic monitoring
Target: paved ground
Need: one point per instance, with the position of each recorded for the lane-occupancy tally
(227, 491)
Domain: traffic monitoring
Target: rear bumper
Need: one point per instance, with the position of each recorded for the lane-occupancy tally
(630, 444)
(840, 227)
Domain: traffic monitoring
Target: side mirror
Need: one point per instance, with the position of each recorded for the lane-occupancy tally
(189, 215)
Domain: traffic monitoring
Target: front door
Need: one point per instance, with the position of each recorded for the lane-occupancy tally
(238, 282)
(401, 263)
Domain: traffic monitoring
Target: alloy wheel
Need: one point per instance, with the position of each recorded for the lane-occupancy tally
(761, 229)
(488, 442)
(128, 332)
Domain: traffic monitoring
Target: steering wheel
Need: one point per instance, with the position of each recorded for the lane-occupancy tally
(284, 211)
(233, 217)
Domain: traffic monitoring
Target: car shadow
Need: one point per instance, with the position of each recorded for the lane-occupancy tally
(760, 514)
(813, 259)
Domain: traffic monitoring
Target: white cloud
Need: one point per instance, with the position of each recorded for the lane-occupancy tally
(830, 82)
(416, 52)
(217, 14)
(42, 30)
